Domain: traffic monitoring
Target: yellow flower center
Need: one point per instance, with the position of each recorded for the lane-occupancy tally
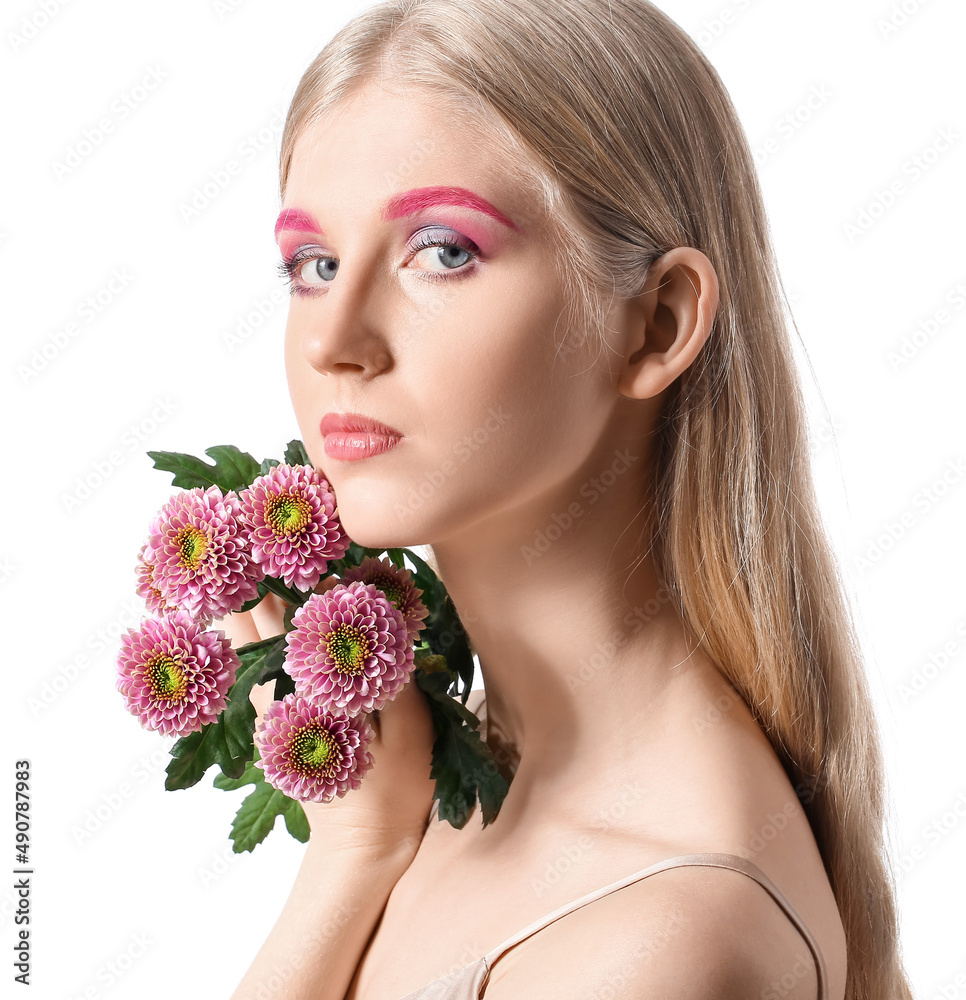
(390, 587)
(168, 681)
(287, 513)
(348, 647)
(314, 751)
(192, 544)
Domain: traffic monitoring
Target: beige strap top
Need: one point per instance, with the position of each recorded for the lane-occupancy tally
(468, 982)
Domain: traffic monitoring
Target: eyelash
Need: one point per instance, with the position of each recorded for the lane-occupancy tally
(289, 267)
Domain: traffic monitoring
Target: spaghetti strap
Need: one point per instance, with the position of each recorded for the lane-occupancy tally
(469, 982)
(732, 861)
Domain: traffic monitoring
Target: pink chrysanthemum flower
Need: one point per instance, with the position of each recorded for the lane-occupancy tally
(309, 754)
(199, 550)
(153, 598)
(174, 675)
(295, 530)
(349, 650)
(396, 584)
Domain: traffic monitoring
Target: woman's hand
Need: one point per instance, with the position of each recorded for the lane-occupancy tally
(388, 812)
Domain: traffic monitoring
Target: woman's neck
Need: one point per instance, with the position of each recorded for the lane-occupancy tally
(581, 648)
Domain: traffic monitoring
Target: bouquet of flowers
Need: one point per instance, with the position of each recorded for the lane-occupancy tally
(240, 530)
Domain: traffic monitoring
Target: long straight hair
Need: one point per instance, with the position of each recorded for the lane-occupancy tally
(636, 147)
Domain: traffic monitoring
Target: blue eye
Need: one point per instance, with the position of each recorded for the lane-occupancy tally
(317, 269)
(307, 269)
(310, 267)
(450, 251)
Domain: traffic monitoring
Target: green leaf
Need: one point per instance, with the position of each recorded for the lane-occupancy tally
(188, 470)
(296, 822)
(259, 645)
(256, 817)
(354, 554)
(445, 634)
(443, 631)
(427, 581)
(257, 814)
(250, 776)
(238, 717)
(463, 765)
(284, 684)
(233, 469)
(397, 558)
(227, 741)
(193, 754)
(287, 594)
(267, 465)
(424, 571)
(434, 683)
(273, 661)
(295, 453)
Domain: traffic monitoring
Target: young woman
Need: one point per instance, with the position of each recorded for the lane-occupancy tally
(527, 249)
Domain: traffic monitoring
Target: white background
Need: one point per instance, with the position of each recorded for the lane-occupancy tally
(153, 892)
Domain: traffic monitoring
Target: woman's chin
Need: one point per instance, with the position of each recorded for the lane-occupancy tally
(373, 529)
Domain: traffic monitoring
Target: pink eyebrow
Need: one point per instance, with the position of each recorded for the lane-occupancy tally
(419, 198)
(402, 204)
(295, 218)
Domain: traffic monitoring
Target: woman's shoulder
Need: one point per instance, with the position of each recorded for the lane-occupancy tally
(697, 925)
(696, 933)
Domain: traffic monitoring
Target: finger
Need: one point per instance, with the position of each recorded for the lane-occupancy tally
(405, 714)
(238, 627)
(268, 616)
(261, 696)
(326, 584)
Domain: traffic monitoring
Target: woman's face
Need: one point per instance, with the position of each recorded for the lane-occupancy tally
(426, 297)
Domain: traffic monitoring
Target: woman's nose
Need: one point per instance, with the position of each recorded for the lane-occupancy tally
(343, 333)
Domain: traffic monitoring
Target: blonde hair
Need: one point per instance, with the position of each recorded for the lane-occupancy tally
(633, 140)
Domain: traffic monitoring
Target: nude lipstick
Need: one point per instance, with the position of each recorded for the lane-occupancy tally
(351, 436)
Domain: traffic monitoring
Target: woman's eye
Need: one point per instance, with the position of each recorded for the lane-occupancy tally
(448, 255)
(317, 269)
(439, 255)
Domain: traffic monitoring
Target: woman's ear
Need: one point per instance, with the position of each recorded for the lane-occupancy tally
(667, 323)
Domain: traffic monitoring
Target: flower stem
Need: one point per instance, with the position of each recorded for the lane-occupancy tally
(287, 594)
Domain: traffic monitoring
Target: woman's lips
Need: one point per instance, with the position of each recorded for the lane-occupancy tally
(351, 436)
(351, 445)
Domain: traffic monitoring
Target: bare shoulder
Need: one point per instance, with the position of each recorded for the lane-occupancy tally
(694, 933)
